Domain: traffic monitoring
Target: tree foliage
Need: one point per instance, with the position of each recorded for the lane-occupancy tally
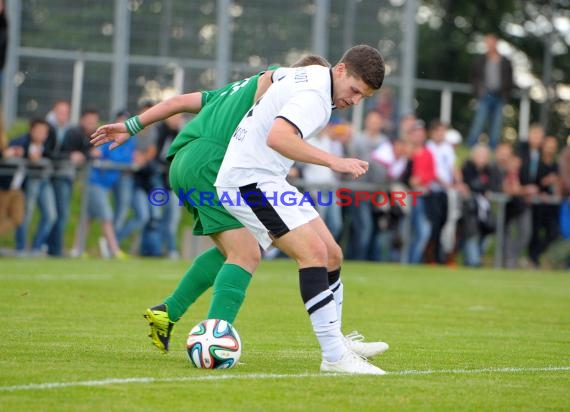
(447, 38)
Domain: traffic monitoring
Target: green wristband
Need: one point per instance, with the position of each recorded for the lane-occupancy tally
(133, 125)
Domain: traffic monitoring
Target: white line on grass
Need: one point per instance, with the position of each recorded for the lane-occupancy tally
(74, 276)
(217, 377)
(55, 277)
(485, 370)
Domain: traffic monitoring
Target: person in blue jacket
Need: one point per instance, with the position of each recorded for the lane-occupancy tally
(102, 179)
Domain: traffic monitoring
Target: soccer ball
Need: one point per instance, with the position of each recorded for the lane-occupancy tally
(213, 344)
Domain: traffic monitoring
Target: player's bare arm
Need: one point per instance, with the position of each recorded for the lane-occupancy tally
(284, 138)
(118, 133)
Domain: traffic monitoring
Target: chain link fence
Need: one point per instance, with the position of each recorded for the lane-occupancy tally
(111, 54)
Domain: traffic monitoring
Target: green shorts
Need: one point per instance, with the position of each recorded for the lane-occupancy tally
(192, 175)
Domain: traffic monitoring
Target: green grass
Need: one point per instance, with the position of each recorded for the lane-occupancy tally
(81, 320)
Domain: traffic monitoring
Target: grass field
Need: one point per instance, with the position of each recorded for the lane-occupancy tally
(481, 340)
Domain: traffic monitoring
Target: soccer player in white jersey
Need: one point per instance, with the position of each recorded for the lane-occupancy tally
(264, 146)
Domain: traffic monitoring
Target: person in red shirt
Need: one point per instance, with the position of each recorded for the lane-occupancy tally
(422, 175)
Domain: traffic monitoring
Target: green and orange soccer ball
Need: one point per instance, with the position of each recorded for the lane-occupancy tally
(213, 344)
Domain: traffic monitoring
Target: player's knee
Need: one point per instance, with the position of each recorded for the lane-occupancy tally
(335, 256)
(253, 258)
(315, 255)
(248, 258)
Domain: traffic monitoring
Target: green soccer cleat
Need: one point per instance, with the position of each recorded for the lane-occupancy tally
(160, 326)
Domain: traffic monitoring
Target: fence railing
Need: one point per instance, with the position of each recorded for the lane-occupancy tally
(180, 67)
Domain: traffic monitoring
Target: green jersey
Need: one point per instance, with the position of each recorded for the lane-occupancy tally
(221, 112)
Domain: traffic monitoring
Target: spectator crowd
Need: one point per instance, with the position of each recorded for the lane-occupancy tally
(39, 169)
(451, 221)
(454, 217)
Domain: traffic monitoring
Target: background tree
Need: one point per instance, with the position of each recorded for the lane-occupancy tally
(447, 35)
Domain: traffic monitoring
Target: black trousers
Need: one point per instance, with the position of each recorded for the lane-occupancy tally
(545, 229)
(436, 211)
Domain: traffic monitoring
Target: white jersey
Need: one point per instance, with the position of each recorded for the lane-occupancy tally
(303, 97)
(444, 160)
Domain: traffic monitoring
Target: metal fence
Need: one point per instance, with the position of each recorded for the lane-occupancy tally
(113, 54)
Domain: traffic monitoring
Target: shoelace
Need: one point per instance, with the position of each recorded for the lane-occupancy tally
(355, 336)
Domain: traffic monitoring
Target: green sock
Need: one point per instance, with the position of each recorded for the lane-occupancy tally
(198, 278)
(229, 292)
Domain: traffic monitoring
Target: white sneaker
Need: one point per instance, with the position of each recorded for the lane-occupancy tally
(351, 363)
(354, 342)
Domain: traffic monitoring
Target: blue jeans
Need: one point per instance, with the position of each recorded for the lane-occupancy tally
(170, 219)
(329, 211)
(123, 194)
(99, 204)
(488, 106)
(40, 192)
(420, 230)
(472, 251)
(362, 226)
(141, 208)
(62, 187)
(382, 246)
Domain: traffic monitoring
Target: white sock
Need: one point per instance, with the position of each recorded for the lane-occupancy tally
(326, 326)
(337, 289)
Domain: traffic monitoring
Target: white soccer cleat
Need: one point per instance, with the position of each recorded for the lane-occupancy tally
(354, 342)
(351, 363)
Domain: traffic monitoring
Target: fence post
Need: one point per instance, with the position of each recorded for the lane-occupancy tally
(84, 210)
(524, 115)
(445, 107)
(406, 231)
(320, 35)
(9, 81)
(178, 79)
(224, 47)
(120, 74)
(349, 19)
(357, 118)
(500, 234)
(77, 89)
(410, 34)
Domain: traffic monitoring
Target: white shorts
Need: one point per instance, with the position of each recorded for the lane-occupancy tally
(268, 210)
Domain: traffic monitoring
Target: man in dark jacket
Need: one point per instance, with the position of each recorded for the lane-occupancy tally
(38, 188)
(492, 79)
(74, 152)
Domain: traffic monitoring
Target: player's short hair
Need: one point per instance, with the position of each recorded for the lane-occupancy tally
(311, 60)
(365, 63)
